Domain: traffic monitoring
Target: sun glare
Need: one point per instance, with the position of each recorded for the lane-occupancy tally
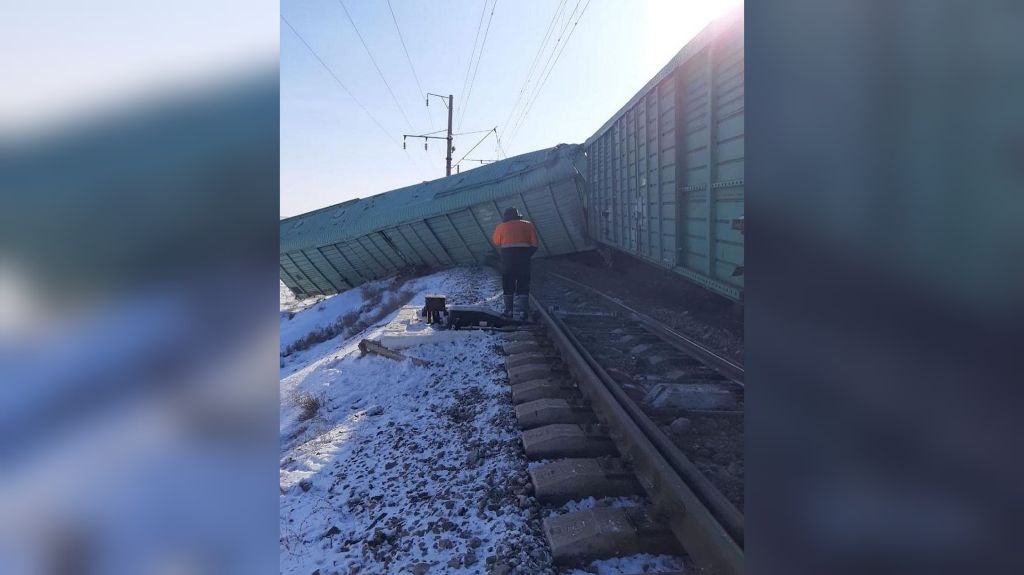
(670, 24)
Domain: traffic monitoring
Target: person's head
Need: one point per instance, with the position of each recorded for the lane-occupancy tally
(511, 214)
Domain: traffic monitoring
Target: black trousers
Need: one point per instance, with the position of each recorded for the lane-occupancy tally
(516, 283)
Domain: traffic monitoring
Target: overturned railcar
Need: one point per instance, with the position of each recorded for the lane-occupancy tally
(665, 173)
(438, 223)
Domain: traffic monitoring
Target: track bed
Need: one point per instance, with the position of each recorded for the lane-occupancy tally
(708, 427)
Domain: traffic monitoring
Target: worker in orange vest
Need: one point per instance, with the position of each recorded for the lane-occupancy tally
(516, 240)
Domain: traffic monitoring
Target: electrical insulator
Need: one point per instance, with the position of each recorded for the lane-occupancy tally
(424, 143)
(403, 144)
(428, 101)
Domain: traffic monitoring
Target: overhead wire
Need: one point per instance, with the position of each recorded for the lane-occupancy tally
(548, 75)
(469, 65)
(541, 74)
(467, 133)
(562, 26)
(338, 80)
(401, 38)
(372, 59)
(483, 44)
(474, 146)
(384, 130)
(533, 64)
(497, 140)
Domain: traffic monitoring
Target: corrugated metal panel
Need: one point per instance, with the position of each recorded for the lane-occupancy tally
(443, 222)
(665, 178)
(486, 183)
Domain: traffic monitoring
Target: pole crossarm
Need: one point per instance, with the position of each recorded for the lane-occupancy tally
(424, 136)
(443, 98)
(449, 135)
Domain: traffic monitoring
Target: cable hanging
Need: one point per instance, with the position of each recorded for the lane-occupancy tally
(387, 134)
(543, 82)
(494, 130)
(533, 64)
(465, 99)
(372, 59)
(401, 38)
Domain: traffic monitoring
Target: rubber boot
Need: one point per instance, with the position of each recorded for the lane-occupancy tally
(522, 307)
(507, 312)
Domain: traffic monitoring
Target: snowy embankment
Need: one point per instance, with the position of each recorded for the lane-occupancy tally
(388, 467)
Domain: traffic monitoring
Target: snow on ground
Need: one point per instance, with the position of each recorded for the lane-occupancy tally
(406, 469)
(591, 502)
(319, 313)
(402, 469)
(643, 563)
(290, 303)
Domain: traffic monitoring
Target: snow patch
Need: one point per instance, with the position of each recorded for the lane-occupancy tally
(591, 502)
(632, 564)
(403, 467)
(408, 329)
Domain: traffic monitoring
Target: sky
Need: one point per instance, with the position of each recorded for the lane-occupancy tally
(99, 56)
(333, 151)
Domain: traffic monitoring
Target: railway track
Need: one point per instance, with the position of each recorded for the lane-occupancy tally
(670, 336)
(611, 404)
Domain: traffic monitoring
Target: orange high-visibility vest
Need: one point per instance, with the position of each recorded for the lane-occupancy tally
(515, 234)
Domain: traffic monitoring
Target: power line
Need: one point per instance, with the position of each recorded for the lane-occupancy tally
(530, 91)
(497, 140)
(495, 130)
(338, 80)
(387, 134)
(533, 64)
(368, 53)
(465, 103)
(531, 94)
(545, 80)
(467, 133)
(430, 118)
(469, 65)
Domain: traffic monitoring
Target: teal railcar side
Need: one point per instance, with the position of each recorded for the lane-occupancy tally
(665, 173)
(438, 223)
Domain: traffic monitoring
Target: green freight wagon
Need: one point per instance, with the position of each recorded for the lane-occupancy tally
(443, 222)
(665, 173)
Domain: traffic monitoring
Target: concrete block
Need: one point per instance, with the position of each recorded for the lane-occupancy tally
(535, 358)
(548, 410)
(567, 479)
(539, 389)
(521, 335)
(517, 347)
(524, 373)
(604, 532)
(566, 440)
(676, 396)
(408, 329)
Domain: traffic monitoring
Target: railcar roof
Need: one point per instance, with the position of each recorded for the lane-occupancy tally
(356, 217)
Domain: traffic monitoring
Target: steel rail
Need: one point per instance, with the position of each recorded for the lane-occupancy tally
(722, 365)
(704, 537)
(722, 509)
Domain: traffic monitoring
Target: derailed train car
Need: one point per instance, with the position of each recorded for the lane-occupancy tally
(443, 222)
(665, 173)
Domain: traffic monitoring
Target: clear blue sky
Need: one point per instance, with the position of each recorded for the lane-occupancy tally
(331, 150)
(68, 61)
